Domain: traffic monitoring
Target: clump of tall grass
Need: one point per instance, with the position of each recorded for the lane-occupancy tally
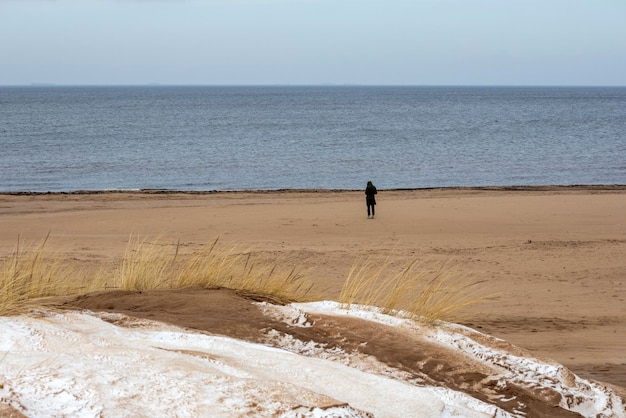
(282, 284)
(32, 272)
(423, 291)
(361, 285)
(212, 266)
(150, 265)
(227, 266)
(145, 265)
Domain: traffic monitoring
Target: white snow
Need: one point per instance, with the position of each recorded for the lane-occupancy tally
(79, 364)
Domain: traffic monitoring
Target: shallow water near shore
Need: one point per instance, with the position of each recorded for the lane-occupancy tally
(264, 138)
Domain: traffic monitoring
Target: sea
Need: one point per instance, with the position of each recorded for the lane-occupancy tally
(218, 138)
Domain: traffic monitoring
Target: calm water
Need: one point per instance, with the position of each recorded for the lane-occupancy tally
(232, 138)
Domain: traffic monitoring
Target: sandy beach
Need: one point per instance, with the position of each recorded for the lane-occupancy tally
(553, 255)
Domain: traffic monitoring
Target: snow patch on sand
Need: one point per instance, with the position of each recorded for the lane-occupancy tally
(77, 364)
(578, 395)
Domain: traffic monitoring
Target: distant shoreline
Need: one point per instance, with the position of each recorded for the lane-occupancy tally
(544, 188)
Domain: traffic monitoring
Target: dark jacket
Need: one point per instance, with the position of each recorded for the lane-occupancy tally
(370, 192)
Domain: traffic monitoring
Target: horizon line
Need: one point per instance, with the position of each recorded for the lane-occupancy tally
(155, 84)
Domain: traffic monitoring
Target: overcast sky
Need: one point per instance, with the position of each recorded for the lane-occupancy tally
(382, 42)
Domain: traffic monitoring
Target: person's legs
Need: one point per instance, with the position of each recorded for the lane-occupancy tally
(368, 210)
(373, 207)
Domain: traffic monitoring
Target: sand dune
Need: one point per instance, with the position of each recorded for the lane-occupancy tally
(240, 357)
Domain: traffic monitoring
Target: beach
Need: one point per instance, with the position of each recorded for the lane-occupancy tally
(553, 257)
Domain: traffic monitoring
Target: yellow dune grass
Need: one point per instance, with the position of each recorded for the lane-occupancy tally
(420, 290)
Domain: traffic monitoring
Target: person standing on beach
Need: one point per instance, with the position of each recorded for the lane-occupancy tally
(370, 198)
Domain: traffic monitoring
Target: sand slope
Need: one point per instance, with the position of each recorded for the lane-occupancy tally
(295, 360)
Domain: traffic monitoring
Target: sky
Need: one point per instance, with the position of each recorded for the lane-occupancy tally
(302, 42)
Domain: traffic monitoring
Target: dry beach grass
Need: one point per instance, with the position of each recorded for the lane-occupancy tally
(554, 256)
(419, 291)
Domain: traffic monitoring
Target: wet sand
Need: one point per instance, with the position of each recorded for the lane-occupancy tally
(554, 255)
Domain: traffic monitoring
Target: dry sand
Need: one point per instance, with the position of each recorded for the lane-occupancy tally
(555, 255)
